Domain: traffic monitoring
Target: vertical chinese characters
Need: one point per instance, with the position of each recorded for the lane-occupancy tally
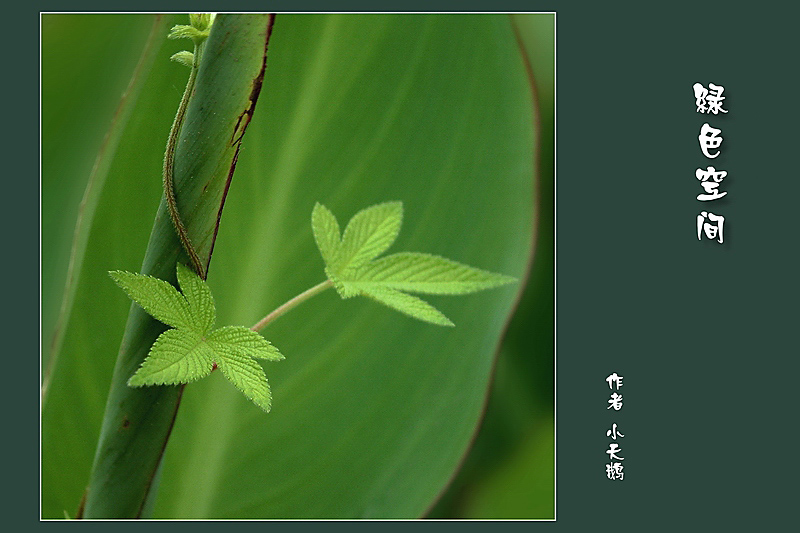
(710, 224)
(709, 101)
(614, 468)
(709, 140)
(710, 178)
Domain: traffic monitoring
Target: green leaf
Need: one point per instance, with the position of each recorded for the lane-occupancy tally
(188, 353)
(176, 357)
(362, 109)
(424, 273)
(244, 341)
(160, 299)
(181, 31)
(184, 57)
(248, 376)
(405, 303)
(368, 234)
(431, 110)
(202, 21)
(198, 295)
(73, 176)
(326, 232)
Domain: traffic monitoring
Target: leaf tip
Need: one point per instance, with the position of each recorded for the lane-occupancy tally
(183, 57)
(180, 268)
(119, 277)
(396, 206)
(438, 319)
(502, 279)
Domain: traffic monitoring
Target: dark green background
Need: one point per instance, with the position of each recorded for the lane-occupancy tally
(702, 333)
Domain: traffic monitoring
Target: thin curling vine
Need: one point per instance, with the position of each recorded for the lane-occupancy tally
(192, 349)
(198, 32)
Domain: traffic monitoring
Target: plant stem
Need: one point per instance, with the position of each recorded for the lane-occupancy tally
(138, 421)
(169, 162)
(294, 302)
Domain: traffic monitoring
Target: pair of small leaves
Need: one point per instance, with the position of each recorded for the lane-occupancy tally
(351, 266)
(198, 28)
(191, 350)
(198, 31)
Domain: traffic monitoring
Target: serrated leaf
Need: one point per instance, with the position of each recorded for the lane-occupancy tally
(176, 357)
(405, 303)
(189, 352)
(179, 31)
(198, 296)
(248, 376)
(350, 265)
(425, 273)
(368, 234)
(183, 57)
(245, 341)
(160, 299)
(326, 232)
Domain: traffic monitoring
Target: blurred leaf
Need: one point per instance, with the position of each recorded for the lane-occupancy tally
(522, 398)
(522, 485)
(79, 141)
(372, 411)
(79, 86)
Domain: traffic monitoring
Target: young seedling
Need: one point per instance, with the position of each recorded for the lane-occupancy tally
(193, 349)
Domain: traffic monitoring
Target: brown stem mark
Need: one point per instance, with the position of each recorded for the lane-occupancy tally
(241, 126)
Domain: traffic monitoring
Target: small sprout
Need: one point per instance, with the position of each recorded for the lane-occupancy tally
(184, 58)
(197, 31)
(202, 21)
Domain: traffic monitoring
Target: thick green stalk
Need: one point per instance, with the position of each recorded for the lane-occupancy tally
(138, 421)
